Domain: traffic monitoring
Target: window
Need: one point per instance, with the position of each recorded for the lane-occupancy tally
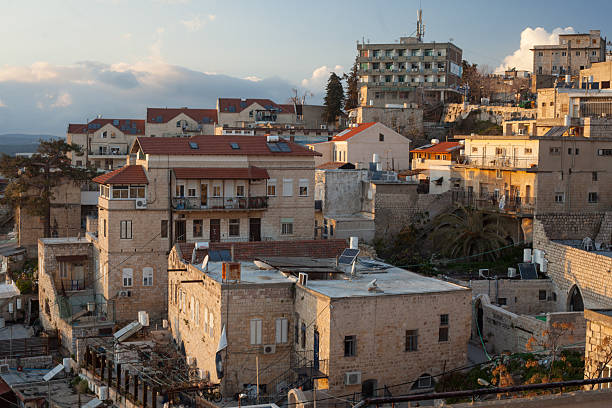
(303, 187)
(542, 295)
(120, 192)
(577, 53)
(499, 151)
(604, 152)
(540, 54)
(593, 197)
(296, 335)
(79, 163)
(164, 228)
(180, 190)
(240, 191)
(474, 150)
(559, 197)
(128, 277)
(104, 227)
(350, 346)
(282, 328)
(147, 276)
(443, 331)
(381, 137)
(272, 187)
(501, 301)
(569, 150)
(137, 192)
(287, 187)
(104, 135)
(303, 335)
(412, 340)
(126, 229)
(211, 324)
(576, 151)
(63, 267)
(198, 227)
(555, 151)
(286, 226)
(191, 192)
(528, 150)
(498, 173)
(234, 227)
(197, 313)
(594, 176)
(216, 191)
(564, 53)
(424, 381)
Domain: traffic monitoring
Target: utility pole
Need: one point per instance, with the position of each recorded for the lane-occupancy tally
(257, 373)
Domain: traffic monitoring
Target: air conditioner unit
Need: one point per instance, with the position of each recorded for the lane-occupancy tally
(4, 368)
(323, 126)
(303, 279)
(352, 378)
(125, 293)
(269, 349)
(141, 203)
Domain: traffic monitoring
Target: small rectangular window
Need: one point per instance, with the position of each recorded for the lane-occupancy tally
(256, 327)
(569, 150)
(240, 191)
(282, 328)
(104, 227)
(528, 150)
(164, 228)
(443, 330)
(234, 227)
(128, 276)
(137, 192)
(287, 187)
(217, 191)
(542, 295)
(381, 137)
(555, 151)
(180, 190)
(350, 346)
(303, 188)
(502, 301)
(147, 276)
(198, 227)
(126, 229)
(593, 197)
(412, 340)
(271, 187)
(286, 226)
(594, 176)
(191, 192)
(559, 197)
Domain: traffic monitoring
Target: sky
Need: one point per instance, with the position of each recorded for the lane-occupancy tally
(67, 61)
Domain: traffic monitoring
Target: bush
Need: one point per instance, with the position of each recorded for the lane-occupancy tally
(24, 286)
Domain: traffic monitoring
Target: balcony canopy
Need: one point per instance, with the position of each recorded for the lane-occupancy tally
(221, 173)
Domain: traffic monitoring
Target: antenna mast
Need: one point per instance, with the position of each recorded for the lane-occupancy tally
(420, 31)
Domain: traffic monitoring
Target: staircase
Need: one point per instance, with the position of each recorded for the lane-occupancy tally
(301, 373)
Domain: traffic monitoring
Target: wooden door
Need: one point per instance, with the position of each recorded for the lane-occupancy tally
(254, 229)
(215, 230)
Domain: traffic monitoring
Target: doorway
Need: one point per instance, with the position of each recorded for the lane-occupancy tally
(254, 229)
(315, 348)
(204, 195)
(215, 230)
(180, 230)
(575, 302)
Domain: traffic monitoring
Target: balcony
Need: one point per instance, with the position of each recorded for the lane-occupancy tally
(108, 154)
(498, 162)
(494, 202)
(220, 203)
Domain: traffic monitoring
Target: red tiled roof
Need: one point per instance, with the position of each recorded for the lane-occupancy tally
(239, 105)
(221, 173)
(442, 147)
(348, 133)
(333, 165)
(216, 145)
(130, 174)
(77, 128)
(165, 115)
(127, 126)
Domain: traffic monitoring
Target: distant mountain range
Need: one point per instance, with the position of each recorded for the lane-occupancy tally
(12, 143)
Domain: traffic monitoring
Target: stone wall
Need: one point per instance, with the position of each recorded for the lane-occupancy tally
(520, 296)
(598, 329)
(570, 267)
(247, 251)
(397, 206)
(497, 114)
(571, 225)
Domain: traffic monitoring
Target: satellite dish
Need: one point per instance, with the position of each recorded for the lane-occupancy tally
(205, 263)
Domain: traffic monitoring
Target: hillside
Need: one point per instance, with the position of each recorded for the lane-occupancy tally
(11, 143)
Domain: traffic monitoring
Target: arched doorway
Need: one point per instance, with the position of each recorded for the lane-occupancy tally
(574, 300)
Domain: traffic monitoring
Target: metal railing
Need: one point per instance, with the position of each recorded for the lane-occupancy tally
(220, 203)
(494, 202)
(499, 161)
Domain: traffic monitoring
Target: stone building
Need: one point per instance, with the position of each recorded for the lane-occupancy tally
(326, 326)
(68, 302)
(433, 163)
(404, 119)
(358, 144)
(598, 345)
(408, 71)
(104, 142)
(180, 122)
(598, 76)
(204, 188)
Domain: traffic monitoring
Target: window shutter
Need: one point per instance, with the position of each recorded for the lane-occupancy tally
(254, 331)
(279, 330)
(285, 330)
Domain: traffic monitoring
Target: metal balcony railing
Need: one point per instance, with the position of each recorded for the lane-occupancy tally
(494, 202)
(499, 161)
(220, 203)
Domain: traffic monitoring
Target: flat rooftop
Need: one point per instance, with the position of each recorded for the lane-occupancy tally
(64, 240)
(249, 273)
(577, 243)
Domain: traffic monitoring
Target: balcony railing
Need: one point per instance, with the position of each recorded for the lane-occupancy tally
(220, 203)
(499, 161)
(494, 202)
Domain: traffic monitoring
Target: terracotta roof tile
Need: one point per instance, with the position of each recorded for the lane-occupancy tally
(164, 115)
(221, 173)
(127, 126)
(335, 165)
(350, 132)
(442, 147)
(77, 128)
(236, 105)
(216, 145)
(130, 174)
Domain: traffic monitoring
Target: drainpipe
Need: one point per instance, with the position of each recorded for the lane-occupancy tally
(170, 221)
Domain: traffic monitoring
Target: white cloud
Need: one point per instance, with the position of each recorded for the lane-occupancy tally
(127, 36)
(253, 78)
(197, 22)
(62, 100)
(2, 104)
(522, 59)
(319, 77)
(39, 71)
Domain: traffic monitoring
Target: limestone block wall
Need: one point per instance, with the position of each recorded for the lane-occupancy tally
(497, 114)
(598, 328)
(569, 267)
(521, 296)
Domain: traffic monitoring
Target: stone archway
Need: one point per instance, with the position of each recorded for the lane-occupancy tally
(575, 303)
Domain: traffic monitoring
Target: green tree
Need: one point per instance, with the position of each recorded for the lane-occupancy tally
(32, 180)
(467, 231)
(352, 87)
(334, 99)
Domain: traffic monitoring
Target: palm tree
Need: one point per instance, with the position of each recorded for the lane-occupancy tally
(466, 231)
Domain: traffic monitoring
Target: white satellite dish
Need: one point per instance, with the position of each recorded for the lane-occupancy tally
(205, 263)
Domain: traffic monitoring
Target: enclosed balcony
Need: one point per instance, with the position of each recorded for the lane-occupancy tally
(220, 203)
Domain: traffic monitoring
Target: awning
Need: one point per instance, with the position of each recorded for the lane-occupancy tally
(221, 173)
(71, 258)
